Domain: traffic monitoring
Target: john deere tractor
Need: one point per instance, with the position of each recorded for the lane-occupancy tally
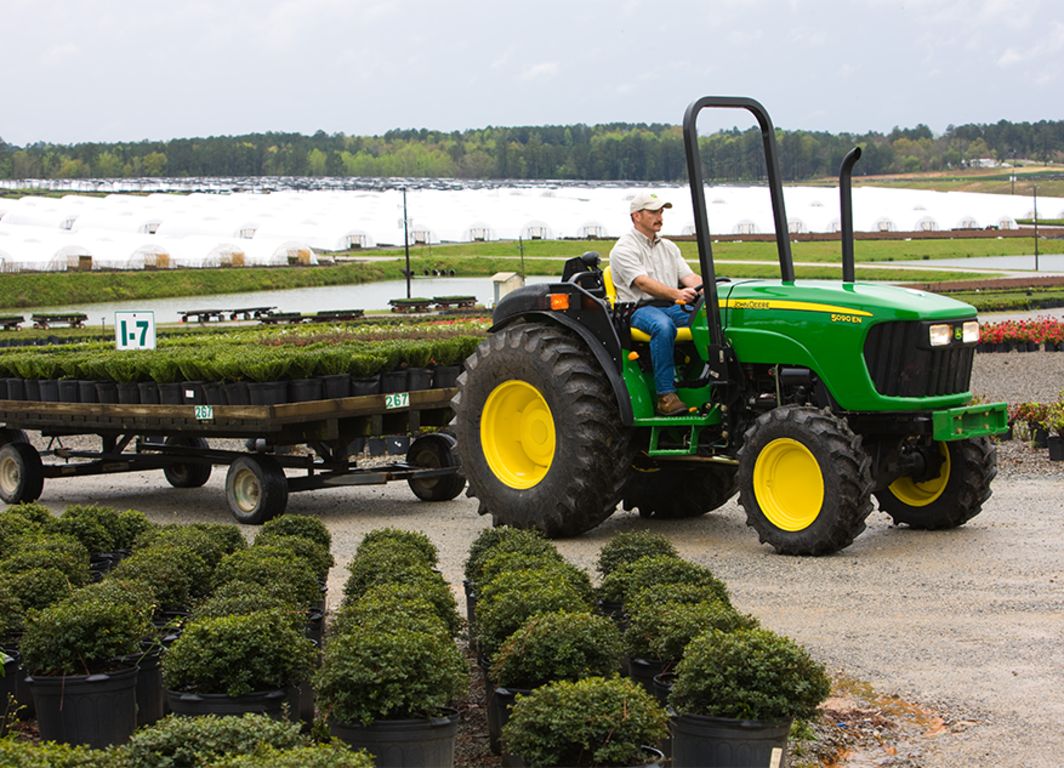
(807, 398)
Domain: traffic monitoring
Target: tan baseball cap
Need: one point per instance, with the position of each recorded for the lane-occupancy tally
(647, 201)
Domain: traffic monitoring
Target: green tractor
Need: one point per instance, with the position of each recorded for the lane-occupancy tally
(807, 398)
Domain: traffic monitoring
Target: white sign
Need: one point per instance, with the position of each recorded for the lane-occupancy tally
(134, 330)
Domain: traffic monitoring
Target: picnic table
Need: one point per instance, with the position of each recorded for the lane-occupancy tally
(12, 322)
(73, 319)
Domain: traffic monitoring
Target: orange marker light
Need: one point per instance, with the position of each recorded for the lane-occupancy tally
(633, 355)
(559, 301)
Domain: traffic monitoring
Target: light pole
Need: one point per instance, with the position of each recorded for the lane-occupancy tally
(406, 243)
(1035, 227)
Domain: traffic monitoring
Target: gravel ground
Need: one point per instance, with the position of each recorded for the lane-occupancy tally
(945, 646)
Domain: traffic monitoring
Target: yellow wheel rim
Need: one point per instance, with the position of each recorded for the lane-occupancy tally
(517, 434)
(788, 484)
(915, 494)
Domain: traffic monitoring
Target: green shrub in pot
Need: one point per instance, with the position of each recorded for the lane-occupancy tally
(492, 542)
(82, 637)
(34, 512)
(390, 605)
(10, 612)
(511, 562)
(661, 631)
(590, 722)
(369, 573)
(265, 566)
(62, 553)
(35, 589)
(510, 599)
(557, 646)
(176, 574)
(229, 537)
(628, 578)
(235, 655)
(382, 673)
(317, 756)
(96, 527)
(416, 543)
(297, 525)
(629, 546)
(749, 674)
(318, 558)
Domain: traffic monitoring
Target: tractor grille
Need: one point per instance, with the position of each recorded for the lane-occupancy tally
(902, 365)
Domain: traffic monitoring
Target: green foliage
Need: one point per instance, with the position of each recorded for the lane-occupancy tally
(63, 553)
(226, 535)
(81, 636)
(94, 526)
(317, 557)
(131, 524)
(416, 543)
(491, 542)
(388, 606)
(750, 674)
(33, 511)
(49, 754)
(380, 673)
(369, 572)
(318, 756)
(177, 742)
(234, 655)
(662, 632)
(249, 600)
(557, 646)
(36, 588)
(589, 722)
(176, 574)
(627, 547)
(298, 525)
(10, 611)
(266, 566)
(507, 602)
(629, 578)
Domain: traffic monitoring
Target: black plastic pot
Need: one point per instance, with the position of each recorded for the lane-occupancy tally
(404, 743)
(171, 393)
(128, 394)
(370, 386)
(95, 710)
(394, 381)
(336, 385)
(193, 392)
(49, 389)
(268, 392)
(106, 392)
(69, 391)
(87, 392)
(500, 702)
(151, 696)
(418, 378)
(720, 742)
(16, 389)
(214, 392)
(305, 390)
(269, 703)
(149, 392)
(1056, 448)
(446, 376)
(643, 671)
(7, 690)
(31, 390)
(236, 393)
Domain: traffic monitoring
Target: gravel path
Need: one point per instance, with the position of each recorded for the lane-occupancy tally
(950, 641)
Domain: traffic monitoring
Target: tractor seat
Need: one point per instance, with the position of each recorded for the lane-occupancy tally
(682, 334)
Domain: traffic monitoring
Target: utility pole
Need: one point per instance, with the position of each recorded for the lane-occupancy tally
(1035, 227)
(406, 243)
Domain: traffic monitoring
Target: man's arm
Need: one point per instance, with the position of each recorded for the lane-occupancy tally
(659, 290)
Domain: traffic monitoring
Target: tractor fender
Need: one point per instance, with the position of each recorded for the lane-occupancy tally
(592, 325)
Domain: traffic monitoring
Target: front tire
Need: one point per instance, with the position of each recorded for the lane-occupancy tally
(539, 432)
(805, 481)
(951, 498)
(21, 473)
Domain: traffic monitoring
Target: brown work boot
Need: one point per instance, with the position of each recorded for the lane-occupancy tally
(670, 405)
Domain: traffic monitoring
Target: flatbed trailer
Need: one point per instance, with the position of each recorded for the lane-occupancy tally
(173, 438)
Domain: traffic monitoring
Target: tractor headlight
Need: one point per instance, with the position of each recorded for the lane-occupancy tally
(940, 335)
(970, 334)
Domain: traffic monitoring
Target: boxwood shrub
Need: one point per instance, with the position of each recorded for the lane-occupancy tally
(629, 546)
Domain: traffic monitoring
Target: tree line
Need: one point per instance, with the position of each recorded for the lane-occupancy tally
(616, 151)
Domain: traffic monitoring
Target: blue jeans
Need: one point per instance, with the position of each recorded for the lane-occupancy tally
(661, 324)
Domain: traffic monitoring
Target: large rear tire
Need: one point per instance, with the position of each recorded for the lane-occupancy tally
(539, 433)
(676, 492)
(805, 481)
(951, 498)
(21, 473)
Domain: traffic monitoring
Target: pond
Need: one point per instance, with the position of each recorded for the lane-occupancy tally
(368, 296)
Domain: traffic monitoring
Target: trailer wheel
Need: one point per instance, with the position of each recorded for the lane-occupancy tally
(805, 481)
(539, 433)
(673, 493)
(13, 436)
(191, 475)
(950, 499)
(435, 451)
(21, 473)
(256, 489)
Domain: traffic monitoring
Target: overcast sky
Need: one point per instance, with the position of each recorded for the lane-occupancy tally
(126, 70)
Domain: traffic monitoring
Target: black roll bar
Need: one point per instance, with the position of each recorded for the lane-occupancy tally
(698, 198)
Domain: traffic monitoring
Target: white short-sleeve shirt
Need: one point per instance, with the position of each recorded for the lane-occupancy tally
(635, 254)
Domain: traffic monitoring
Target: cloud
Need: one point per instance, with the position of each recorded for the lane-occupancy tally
(545, 70)
(60, 55)
(1048, 45)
